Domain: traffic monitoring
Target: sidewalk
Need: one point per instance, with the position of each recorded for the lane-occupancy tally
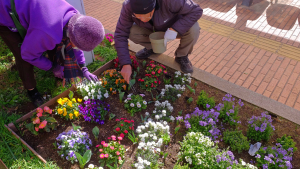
(238, 44)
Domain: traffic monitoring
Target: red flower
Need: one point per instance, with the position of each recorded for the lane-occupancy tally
(152, 85)
(129, 128)
(122, 124)
(118, 129)
(122, 135)
(132, 121)
(122, 118)
(109, 138)
(159, 82)
(155, 81)
(132, 128)
(117, 119)
(125, 131)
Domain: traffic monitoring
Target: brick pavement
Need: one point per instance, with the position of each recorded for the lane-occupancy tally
(248, 51)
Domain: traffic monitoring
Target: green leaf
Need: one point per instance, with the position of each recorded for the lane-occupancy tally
(131, 83)
(30, 126)
(96, 132)
(47, 129)
(144, 63)
(80, 160)
(71, 94)
(121, 95)
(75, 127)
(134, 74)
(51, 119)
(87, 156)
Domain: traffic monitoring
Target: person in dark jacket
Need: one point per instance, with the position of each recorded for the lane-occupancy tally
(53, 26)
(140, 18)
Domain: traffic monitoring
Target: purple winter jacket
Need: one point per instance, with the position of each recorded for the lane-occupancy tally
(180, 15)
(44, 21)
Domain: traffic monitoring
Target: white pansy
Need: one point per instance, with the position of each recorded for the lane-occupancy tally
(106, 95)
(131, 104)
(147, 113)
(144, 102)
(86, 98)
(91, 166)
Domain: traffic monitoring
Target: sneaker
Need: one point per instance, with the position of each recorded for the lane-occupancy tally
(36, 98)
(185, 64)
(144, 53)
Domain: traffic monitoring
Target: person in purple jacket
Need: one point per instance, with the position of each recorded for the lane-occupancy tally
(140, 18)
(53, 26)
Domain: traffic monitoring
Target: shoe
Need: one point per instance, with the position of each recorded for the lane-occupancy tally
(36, 98)
(185, 64)
(144, 53)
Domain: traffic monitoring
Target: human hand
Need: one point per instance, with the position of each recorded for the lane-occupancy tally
(58, 71)
(126, 72)
(89, 76)
(170, 34)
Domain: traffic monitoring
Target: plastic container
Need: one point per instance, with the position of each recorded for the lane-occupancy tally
(157, 42)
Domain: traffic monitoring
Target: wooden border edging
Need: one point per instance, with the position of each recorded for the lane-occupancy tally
(2, 165)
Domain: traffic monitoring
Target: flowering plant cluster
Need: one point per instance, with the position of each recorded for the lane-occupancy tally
(92, 166)
(205, 101)
(71, 142)
(202, 121)
(41, 120)
(172, 92)
(152, 136)
(228, 110)
(182, 79)
(135, 103)
(94, 110)
(113, 81)
(92, 90)
(124, 126)
(236, 140)
(274, 157)
(260, 128)
(149, 83)
(287, 142)
(109, 38)
(111, 152)
(199, 152)
(68, 108)
(134, 63)
(155, 70)
(163, 111)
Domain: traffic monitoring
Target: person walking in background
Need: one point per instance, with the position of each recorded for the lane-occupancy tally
(140, 18)
(31, 27)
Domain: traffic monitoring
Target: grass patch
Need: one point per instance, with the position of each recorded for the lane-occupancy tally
(108, 53)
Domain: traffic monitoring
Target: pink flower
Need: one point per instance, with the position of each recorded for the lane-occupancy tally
(105, 145)
(118, 153)
(50, 111)
(165, 72)
(47, 109)
(40, 114)
(100, 150)
(122, 135)
(122, 125)
(120, 158)
(36, 129)
(101, 156)
(153, 72)
(106, 155)
(102, 142)
(108, 138)
(113, 137)
(36, 120)
(118, 129)
(111, 147)
(120, 138)
(39, 110)
(97, 145)
(43, 124)
(125, 131)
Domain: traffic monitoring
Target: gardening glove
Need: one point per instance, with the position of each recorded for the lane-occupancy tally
(126, 72)
(169, 35)
(89, 75)
(58, 71)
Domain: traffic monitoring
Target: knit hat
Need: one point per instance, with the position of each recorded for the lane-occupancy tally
(85, 32)
(142, 6)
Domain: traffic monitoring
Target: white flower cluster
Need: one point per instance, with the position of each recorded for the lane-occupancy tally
(162, 109)
(151, 139)
(185, 79)
(92, 90)
(132, 104)
(92, 166)
(168, 87)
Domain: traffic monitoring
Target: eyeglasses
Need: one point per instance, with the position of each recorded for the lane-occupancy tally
(143, 17)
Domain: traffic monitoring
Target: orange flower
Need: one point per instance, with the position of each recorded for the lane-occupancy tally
(124, 87)
(114, 92)
(117, 81)
(105, 82)
(146, 85)
(110, 89)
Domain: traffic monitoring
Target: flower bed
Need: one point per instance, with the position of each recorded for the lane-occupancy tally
(155, 121)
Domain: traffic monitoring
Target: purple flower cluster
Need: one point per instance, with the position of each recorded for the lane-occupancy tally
(276, 156)
(227, 157)
(94, 110)
(203, 121)
(261, 123)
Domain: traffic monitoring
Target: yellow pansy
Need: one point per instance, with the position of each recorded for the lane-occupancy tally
(65, 110)
(71, 116)
(76, 113)
(65, 113)
(79, 100)
(74, 100)
(60, 101)
(70, 104)
(59, 111)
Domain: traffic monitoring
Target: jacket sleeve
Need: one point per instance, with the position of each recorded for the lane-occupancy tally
(35, 43)
(122, 34)
(190, 12)
(80, 57)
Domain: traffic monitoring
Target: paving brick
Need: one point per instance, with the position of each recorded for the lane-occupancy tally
(283, 80)
(269, 76)
(289, 70)
(261, 88)
(275, 65)
(256, 71)
(279, 73)
(267, 93)
(287, 90)
(243, 66)
(253, 87)
(248, 82)
(272, 84)
(297, 68)
(235, 76)
(296, 88)
(291, 99)
(211, 67)
(297, 106)
(226, 77)
(293, 78)
(276, 93)
(282, 99)
(239, 82)
(223, 72)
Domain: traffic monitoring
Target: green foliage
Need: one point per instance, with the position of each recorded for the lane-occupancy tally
(144, 63)
(177, 129)
(229, 111)
(75, 127)
(134, 104)
(190, 100)
(191, 89)
(107, 53)
(167, 81)
(85, 159)
(121, 95)
(96, 132)
(236, 140)
(4, 50)
(178, 166)
(111, 116)
(260, 127)
(205, 101)
(195, 84)
(131, 83)
(287, 142)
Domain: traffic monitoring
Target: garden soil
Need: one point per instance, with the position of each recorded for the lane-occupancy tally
(43, 143)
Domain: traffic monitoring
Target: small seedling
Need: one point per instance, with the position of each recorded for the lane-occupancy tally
(195, 84)
(144, 63)
(190, 100)
(131, 83)
(167, 81)
(134, 74)
(138, 70)
(75, 127)
(164, 154)
(191, 89)
(144, 119)
(116, 165)
(71, 94)
(177, 129)
(55, 145)
(132, 137)
(121, 95)
(180, 113)
(96, 132)
(111, 116)
(85, 159)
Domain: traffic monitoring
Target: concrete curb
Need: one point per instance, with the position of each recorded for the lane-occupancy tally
(247, 95)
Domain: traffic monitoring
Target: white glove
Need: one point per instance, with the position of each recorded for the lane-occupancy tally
(169, 35)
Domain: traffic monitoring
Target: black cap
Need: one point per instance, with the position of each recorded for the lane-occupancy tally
(142, 6)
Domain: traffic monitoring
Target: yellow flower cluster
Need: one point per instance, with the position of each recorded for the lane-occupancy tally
(68, 108)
